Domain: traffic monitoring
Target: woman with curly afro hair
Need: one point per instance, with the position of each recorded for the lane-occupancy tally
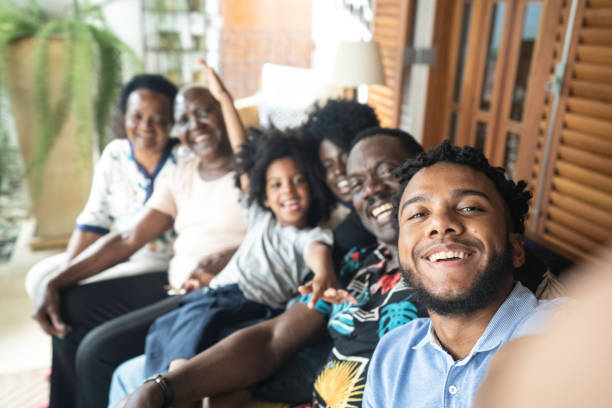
(328, 132)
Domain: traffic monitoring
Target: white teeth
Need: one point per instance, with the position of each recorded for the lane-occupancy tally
(447, 255)
(290, 203)
(343, 183)
(199, 139)
(381, 209)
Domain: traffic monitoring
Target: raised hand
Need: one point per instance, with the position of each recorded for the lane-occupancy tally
(215, 85)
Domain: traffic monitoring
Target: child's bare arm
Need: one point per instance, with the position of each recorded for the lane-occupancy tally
(235, 130)
(323, 285)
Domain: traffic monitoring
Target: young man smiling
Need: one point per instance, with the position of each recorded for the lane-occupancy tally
(460, 241)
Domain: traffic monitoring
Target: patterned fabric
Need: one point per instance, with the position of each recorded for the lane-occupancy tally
(120, 188)
(383, 305)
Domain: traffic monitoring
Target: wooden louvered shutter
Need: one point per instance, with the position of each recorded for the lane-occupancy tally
(576, 206)
(390, 31)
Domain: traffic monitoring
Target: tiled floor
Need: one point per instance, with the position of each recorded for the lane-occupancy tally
(24, 349)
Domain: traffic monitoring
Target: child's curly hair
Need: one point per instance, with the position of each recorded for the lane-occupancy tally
(513, 194)
(267, 145)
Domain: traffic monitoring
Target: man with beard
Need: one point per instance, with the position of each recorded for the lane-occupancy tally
(228, 370)
(460, 241)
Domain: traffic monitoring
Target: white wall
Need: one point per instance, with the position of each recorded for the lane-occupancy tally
(124, 18)
(332, 24)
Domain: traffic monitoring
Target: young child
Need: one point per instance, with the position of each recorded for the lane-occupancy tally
(284, 203)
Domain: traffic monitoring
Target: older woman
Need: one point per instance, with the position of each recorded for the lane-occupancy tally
(124, 179)
(199, 198)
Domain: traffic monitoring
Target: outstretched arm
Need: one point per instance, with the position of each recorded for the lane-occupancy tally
(323, 285)
(107, 251)
(237, 362)
(235, 130)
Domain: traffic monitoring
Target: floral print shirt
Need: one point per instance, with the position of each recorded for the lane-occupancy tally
(384, 303)
(120, 188)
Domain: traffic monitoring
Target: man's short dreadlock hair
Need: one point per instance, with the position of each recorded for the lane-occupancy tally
(268, 145)
(410, 144)
(514, 195)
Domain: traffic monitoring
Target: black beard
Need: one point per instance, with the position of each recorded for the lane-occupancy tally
(484, 291)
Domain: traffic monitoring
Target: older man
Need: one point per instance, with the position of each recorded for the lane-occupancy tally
(460, 242)
(372, 277)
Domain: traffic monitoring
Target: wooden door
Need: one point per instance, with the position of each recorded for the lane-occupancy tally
(489, 81)
(496, 98)
(391, 23)
(573, 208)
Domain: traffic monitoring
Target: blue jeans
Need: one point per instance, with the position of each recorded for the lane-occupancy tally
(201, 320)
(126, 379)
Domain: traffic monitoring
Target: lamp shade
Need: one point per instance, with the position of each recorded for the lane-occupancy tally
(358, 63)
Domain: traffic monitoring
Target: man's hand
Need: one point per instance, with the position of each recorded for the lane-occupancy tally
(338, 296)
(147, 396)
(46, 311)
(207, 268)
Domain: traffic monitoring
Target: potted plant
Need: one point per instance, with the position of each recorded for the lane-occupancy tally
(61, 75)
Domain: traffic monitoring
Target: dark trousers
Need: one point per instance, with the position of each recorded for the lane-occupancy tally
(109, 345)
(116, 341)
(85, 307)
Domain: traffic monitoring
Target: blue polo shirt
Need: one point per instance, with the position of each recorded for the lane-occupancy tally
(410, 368)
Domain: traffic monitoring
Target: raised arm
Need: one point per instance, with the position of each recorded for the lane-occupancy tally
(237, 362)
(107, 251)
(235, 130)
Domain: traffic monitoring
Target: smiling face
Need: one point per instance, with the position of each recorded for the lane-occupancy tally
(287, 193)
(333, 160)
(454, 243)
(200, 123)
(148, 120)
(370, 168)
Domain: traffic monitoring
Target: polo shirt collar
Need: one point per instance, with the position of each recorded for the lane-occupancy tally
(429, 338)
(517, 306)
(519, 303)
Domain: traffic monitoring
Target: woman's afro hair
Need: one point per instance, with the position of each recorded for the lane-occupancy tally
(339, 120)
(513, 194)
(267, 145)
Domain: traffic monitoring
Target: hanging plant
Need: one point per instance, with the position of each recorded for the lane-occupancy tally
(90, 83)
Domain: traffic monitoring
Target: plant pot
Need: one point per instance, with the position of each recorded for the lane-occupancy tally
(67, 176)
